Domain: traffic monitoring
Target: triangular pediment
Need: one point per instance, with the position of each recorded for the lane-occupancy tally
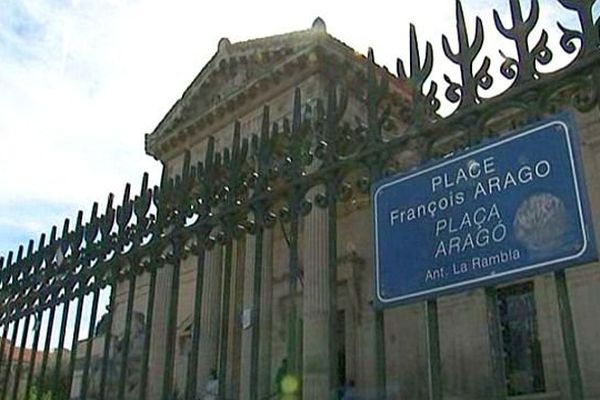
(238, 71)
(234, 67)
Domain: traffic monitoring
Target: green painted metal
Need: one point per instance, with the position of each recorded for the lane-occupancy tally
(294, 335)
(256, 295)
(169, 366)
(46, 351)
(126, 337)
(37, 324)
(107, 343)
(375, 164)
(11, 351)
(568, 335)
(147, 336)
(88, 350)
(24, 335)
(270, 182)
(56, 378)
(434, 362)
(332, 254)
(191, 388)
(263, 154)
(34, 345)
(380, 357)
(4, 341)
(225, 306)
(19, 365)
(75, 339)
(497, 367)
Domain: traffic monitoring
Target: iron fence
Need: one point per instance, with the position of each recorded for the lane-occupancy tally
(262, 180)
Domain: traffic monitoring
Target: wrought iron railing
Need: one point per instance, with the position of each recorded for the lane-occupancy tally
(246, 188)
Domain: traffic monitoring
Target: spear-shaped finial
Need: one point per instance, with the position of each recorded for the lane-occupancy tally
(464, 57)
(519, 32)
(589, 35)
(108, 219)
(91, 228)
(377, 90)
(124, 211)
(419, 73)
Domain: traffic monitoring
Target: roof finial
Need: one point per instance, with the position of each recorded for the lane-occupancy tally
(224, 44)
(319, 25)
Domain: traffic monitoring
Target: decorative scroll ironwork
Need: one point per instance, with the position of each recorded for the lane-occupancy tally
(247, 187)
(524, 67)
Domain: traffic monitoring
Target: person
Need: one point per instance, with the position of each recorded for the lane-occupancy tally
(212, 386)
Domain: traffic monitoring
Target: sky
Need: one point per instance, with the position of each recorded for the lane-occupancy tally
(81, 82)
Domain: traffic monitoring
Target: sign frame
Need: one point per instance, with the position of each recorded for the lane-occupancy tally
(587, 253)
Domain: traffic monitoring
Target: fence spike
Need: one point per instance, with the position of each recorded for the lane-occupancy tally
(94, 213)
(164, 176)
(185, 169)
(53, 234)
(210, 153)
(244, 150)
(235, 144)
(30, 247)
(519, 32)
(144, 187)
(418, 73)
(65, 230)
(91, 228)
(467, 51)
(126, 194)
(107, 220)
(371, 55)
(226, 156)
(109, 202)
(297, 111)
(20, 253)
(589, 37)
(42, 242)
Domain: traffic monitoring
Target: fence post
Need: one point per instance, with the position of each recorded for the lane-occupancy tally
(496, 349)
(568, 335)
(381, 381)
(191, 384)
(433, 351)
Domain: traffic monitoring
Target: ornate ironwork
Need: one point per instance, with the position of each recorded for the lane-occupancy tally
(245, 188)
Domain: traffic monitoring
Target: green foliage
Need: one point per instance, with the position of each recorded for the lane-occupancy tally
(44, 389)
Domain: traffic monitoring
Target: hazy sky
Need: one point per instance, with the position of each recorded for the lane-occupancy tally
(81, 82)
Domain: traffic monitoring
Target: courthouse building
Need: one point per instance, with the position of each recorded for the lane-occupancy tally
(234, 86)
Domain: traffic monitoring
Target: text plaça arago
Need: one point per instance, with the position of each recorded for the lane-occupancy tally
(478, 227)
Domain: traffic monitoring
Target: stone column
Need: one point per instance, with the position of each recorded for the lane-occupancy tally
(210, 316)
(158, 339)
(266, 295)
(316, 312)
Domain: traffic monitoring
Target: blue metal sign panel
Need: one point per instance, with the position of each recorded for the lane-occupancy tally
(504, 210)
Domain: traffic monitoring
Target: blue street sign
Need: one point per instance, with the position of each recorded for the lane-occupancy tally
(510, 208)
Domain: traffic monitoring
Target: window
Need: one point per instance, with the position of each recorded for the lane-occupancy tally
(522, 351)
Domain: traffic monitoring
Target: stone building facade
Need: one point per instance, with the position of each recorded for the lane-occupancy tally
(234, 85)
